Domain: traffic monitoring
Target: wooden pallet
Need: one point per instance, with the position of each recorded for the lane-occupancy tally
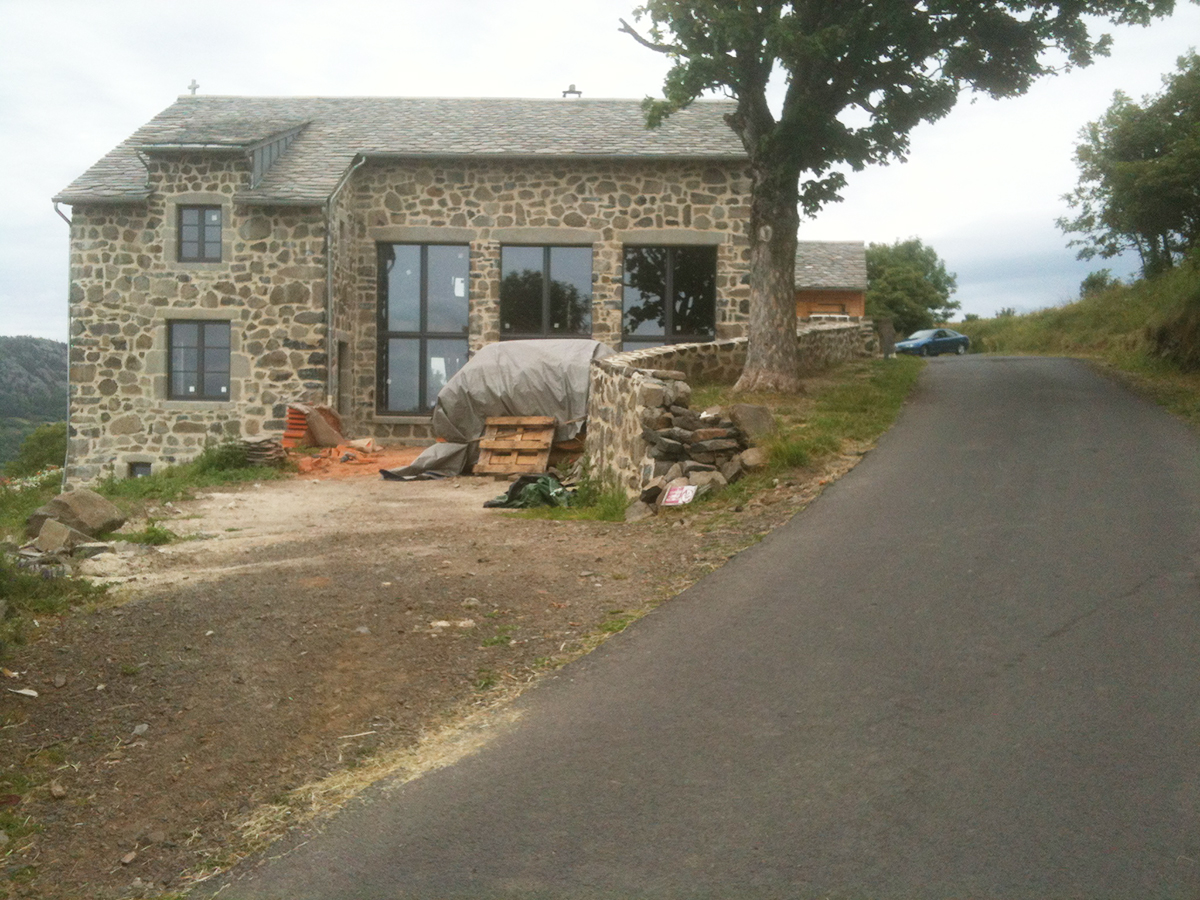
(515, 445)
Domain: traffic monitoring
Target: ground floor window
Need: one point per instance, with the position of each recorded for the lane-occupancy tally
(422, 322)
(669, 295)
(545, 292)
(198, 355)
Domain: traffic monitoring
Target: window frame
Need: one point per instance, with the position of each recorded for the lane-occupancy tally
(546, 306)
(201, 370)
(423, 335)
(205, 246)
(668, 336)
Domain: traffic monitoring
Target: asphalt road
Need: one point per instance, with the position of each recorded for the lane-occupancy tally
(970, 669)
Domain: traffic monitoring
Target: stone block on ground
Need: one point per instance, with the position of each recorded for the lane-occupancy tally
(82, 510)
(754, 458)
(55, 537)
(732, 470)
(754, 421)
(708, 479)
(638, 510)
(652, 489)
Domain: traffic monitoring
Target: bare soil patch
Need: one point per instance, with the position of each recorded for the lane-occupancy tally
(309, 625)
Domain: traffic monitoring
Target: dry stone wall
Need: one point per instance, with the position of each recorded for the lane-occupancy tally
(127, 285)
(640, 425)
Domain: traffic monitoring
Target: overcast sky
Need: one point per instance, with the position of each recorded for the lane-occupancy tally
(983, 186)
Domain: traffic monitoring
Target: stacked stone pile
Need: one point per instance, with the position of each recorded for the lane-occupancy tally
(69, 525)
(707, 450)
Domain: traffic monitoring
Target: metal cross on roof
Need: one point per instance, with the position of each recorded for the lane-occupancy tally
(193, 87)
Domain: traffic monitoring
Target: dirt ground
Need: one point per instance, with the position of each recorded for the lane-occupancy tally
(310, 626)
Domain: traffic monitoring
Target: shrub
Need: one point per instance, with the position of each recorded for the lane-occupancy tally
(45, 446)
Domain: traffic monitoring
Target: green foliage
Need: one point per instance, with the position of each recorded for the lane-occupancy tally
(227, 456)
(30, 593)
(216, 465)
(1128, 325)
(1139, 176)
(1096, 282)
(45, 446)
(153, 534)
(908, 283)
(596, 498)
(19, 499)
(860, 77)
(1005, 312)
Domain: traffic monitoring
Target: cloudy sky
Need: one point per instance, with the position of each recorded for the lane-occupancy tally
(983, 186)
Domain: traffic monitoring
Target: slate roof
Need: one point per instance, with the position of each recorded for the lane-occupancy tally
(831, 265)
(336, 129)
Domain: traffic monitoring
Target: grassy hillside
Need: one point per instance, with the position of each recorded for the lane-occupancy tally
(33, 388)
(1149, 331)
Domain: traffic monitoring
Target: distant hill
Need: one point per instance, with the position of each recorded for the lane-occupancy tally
(33, 388)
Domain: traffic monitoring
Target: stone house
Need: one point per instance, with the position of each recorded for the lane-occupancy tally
(831, 278)
(236, 254)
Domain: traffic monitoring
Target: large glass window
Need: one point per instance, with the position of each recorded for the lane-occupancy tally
(545, 292)
(199, 234)
(669, 295)
(198, 360)
(422, 322)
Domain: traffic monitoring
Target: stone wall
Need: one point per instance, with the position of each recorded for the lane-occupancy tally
(487, 204)
(127, 285)
(636, 397)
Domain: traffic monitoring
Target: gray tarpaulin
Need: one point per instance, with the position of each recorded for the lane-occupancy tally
(511, 378)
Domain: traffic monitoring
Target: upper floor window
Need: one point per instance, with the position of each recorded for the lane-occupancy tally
(669, 295)
(545, 292)
(199, 234)
(198, 360)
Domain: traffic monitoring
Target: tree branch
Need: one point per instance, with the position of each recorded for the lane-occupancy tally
(657, 48)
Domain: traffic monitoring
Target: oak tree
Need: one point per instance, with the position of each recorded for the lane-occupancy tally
(858, 77)
(1139, 176)
(908, 283)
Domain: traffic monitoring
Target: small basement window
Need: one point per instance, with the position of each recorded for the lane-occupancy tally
(139, 469)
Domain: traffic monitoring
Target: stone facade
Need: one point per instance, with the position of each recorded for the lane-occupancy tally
(635, 397)
(308, 192)
(605, 205)
(126, 287)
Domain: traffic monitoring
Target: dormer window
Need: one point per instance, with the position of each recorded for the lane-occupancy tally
(199, 234)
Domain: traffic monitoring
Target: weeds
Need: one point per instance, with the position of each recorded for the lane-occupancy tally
(29, 593)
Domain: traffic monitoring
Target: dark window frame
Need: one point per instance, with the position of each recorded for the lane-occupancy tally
(201, 368)
(423, 335)
(546, 331)
(669, 335)
(208, 251)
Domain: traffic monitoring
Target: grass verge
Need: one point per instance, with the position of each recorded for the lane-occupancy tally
(1148, 333)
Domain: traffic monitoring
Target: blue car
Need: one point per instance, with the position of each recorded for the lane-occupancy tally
(933, 341)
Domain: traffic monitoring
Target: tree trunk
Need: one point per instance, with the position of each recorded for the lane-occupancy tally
(772, 361)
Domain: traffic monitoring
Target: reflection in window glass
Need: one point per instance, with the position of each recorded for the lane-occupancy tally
(448, 271)
(423, 315)
(545, 292)
(445, 357)
(694, 292)
(688, 276)
(522, 284)
(198, 360)
(570, 290)
(403, 264)
(403, 373)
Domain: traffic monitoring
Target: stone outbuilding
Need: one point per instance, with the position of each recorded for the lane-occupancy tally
(831, 279)
(237, 254)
